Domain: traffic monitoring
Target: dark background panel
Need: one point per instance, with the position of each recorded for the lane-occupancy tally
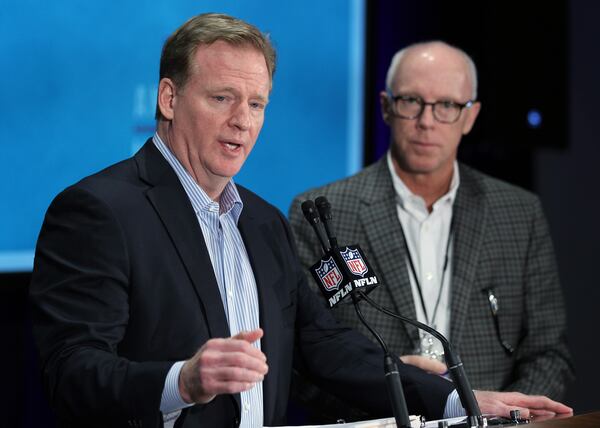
(22, 403)
(567, 181)
(521, 55)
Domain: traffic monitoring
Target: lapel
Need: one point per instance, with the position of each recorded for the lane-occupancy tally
(261, 248)
(172, 205)
(379, 218)
(470, 213)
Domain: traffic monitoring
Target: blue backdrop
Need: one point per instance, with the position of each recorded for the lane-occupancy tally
(79, 87)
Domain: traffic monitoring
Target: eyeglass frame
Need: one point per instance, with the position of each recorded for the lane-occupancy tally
(394, 99)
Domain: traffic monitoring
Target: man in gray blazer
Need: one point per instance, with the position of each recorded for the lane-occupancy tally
(461, 251)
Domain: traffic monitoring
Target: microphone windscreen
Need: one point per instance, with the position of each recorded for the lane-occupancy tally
(310, 211)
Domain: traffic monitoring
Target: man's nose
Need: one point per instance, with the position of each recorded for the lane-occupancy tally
(426, 119)
(241, 117)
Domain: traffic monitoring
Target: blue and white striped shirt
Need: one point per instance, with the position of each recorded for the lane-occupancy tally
(218, 221)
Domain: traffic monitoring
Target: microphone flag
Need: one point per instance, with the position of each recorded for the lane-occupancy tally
(341, 271)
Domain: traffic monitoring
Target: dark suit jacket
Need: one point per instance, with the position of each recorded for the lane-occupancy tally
(501, 242)
(123, 286)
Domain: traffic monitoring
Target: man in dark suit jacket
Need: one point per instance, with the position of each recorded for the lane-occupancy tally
(503, 309)
(163, 293)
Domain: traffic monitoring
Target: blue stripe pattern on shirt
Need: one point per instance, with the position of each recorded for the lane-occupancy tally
(454, 408)
(235, 278)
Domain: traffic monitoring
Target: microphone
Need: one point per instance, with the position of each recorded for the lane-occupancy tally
(338, 267)
(323, 272)
(349, 267)
(311, 215)
(324, 208)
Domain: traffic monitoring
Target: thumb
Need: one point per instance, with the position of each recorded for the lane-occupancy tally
(249, 336)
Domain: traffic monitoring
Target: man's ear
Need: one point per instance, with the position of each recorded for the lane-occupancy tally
(472, 114)
(166, 97)
(384, 100)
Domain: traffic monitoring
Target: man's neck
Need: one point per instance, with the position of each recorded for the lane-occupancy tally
(430, 186)
(213, 188)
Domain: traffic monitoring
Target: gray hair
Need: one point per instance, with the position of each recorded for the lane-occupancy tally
(400, 54)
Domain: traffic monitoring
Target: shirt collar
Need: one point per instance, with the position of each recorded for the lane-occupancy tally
(407, 199)
(230, 198)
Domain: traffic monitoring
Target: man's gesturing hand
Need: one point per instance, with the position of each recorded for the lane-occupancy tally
(501, 403)
(223, 366)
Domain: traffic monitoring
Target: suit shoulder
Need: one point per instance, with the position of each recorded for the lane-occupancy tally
(350, 188)
(116, 185)
(123, 171)
(256, 204)
(498, 193)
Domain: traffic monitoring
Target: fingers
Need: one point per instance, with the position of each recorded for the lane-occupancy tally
(238, 364)
(496, 403)
(425, 363)
(223, 366)
(249, 336)
(233, 345)
(501, 403)
(541, 405)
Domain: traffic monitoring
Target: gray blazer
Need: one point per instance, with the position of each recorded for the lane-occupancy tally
(501, 242)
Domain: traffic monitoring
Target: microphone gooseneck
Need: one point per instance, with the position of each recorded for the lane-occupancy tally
(392, 375)
(455, 365)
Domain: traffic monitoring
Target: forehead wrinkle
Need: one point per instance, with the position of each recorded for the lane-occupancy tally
(222, 69)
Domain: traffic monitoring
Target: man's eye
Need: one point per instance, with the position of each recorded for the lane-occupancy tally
(410, 100)
(257, 106)
(446, 104)
(219, 98)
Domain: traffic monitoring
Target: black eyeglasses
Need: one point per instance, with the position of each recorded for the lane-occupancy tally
(410, 107)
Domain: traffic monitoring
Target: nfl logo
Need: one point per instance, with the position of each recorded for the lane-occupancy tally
(329, 274)
(354, 261)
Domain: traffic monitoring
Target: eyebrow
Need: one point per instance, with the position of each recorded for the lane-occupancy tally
(235, 91)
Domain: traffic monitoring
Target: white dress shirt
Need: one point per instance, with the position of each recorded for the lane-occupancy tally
(427, 234)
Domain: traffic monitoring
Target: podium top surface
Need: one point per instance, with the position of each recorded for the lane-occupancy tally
(588, 420)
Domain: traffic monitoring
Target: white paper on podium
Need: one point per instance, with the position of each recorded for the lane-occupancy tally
(415, 422)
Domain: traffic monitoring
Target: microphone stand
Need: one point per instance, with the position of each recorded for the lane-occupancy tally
(392, 375)
(455, 365)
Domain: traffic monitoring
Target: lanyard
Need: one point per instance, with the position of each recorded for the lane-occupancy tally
(414, 274)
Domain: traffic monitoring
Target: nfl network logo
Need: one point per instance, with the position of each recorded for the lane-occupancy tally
(354, 261)
(329, 274)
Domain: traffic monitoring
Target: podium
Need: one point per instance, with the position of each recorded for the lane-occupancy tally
(588, 420)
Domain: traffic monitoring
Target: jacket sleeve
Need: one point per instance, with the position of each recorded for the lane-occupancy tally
(543, 362)
(79, 305)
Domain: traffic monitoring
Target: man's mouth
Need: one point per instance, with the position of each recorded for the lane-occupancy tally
(230, 145)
